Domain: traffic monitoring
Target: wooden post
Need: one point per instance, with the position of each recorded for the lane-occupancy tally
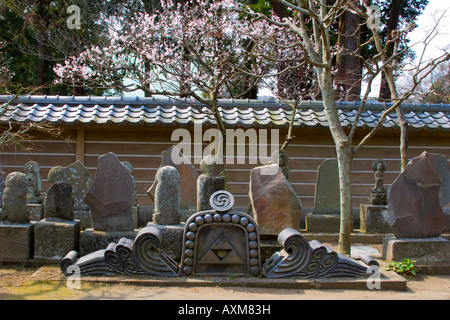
(79, 153)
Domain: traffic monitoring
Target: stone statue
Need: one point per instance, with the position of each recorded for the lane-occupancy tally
(379, 193)
(167, 196)
(33, 175)
(15, 199)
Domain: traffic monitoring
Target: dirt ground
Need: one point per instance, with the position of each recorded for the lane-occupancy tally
(18, 283)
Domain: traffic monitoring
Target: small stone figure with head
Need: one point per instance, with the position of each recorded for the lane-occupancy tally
(378, 195)
(33, 175)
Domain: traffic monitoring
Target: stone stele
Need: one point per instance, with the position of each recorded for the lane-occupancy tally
(274, 201)
(59, 201)
(167, 196)
(111, 195)
(414, 209)
(209, 181)
(188, 176)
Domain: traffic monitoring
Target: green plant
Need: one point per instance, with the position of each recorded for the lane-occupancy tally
(406, 266)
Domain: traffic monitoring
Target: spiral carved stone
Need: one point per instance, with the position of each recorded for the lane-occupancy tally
(139, 257)
(221, 201)
(147, 255)
(309, 259)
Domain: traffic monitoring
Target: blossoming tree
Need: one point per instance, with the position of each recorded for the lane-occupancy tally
(186, 49)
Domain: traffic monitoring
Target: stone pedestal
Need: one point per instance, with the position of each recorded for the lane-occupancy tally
(429, 251)
(374, 219)
(171, 239)
(92, 240)
(322, 222)
(36, 212)
(55, 237)
(16, 241)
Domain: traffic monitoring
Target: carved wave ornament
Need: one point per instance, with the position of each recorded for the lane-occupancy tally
(216, 242)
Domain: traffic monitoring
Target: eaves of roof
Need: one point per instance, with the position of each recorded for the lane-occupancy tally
(76, 110)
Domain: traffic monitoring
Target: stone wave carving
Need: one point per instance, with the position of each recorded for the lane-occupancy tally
(309, 260)
(139, 257)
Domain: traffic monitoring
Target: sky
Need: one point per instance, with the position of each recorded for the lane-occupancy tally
(426, 21)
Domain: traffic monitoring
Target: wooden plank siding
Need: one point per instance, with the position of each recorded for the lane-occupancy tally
(142, 146)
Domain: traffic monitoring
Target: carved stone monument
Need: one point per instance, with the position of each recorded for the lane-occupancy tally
(373, 216)
(167, 196)
(312, 259)
(188, 177)
(111, 196)
(34, 199)
(58, 232)
(326, 212)
(139, 257)
(209, 181)
(16, 231)
(220, 241)
(275, 204)
(415, 212)
(110, 200)
(79, 177)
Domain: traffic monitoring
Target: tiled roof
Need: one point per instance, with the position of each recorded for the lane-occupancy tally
(243, 113)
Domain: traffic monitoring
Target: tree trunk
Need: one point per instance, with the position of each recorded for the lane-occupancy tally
(343, 151)
(349, 68)
(385, 92)
(344, 164)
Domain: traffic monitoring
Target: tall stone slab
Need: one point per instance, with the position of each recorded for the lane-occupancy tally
(414, 209)
(80, 179)
(111, 196)
(210, 181)
(58, 233)
(188, 176)
(275, 203)
(326, 212)
(167, 197)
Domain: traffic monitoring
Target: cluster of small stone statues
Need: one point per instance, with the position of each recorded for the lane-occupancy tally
(214, 239)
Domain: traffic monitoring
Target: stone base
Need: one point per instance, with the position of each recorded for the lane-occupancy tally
(36, 212)
(373, 219)
(171, 239)
(54, 238)
(430, 251)
(322, 222)
(84, 216)
(16, 242)
(92, 240)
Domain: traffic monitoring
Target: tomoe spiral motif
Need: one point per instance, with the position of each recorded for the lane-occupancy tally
(221, 201)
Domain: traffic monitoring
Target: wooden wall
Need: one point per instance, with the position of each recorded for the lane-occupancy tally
(142, 146)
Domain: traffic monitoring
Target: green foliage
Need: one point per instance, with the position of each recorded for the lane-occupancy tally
(406, 266)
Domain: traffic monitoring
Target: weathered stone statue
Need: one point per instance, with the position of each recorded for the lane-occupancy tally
(167, 197)
(14, 206)
(16, 231)
(33, 175)
(210, 181)
(379, 193)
